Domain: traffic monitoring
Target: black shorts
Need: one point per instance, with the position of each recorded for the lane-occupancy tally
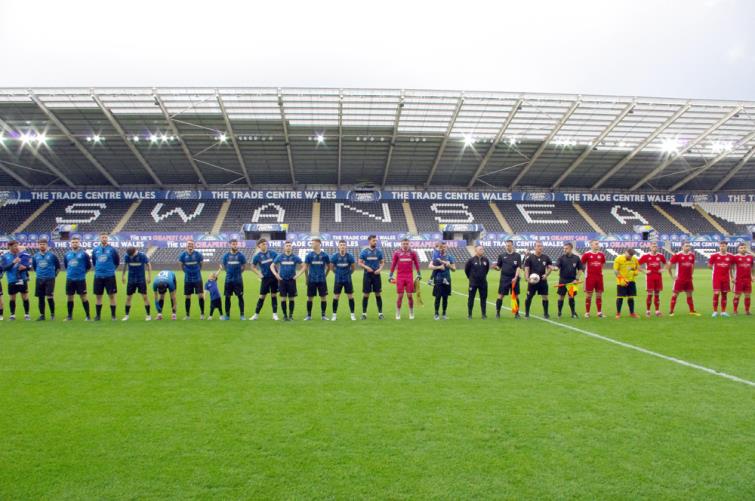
(232, 288)
(76, 287)
(563, 290)
(317, 289)
(44, 287)
(504, 286)
(539, 288)
(193, 288)
(441, 290)
(102, 284)
(372, 283)
(628, 290)
(287, 287)
(347, 287)
(269, 285)
(132, 287)
(21, 288)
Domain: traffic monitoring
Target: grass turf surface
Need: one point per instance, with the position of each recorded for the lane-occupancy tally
(454, 409)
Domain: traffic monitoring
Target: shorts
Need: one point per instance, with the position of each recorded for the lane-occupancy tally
(504, 286)
(683, 286)
(628, 290)
(347, 287)
(193, 288)
(216, 304)
(372, 283)
(102, 284)
(317, 289)
(405, 284)
(76, 287)
(539, 288)
(441, 290)
(233, 288)
(721, 284)
(654, 283)
(564, 291)
(132, 287)
(287, 287)
(743, 286)
(21, 288)
(269, 285)
(594, 283)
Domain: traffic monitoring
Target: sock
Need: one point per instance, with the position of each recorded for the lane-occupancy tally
(258, 308)
(187, 305)
(290, 307)
(128, 309)
(715, 301)
(657, 302)
(26, 306)
(274, 301)
(323, 307)
(365, 300)
(587, 303)
(112, 310)
(1, 311)
(335, 306)
(690, 303)
(160, 304)
(309, 307)
(98, 309)
(241, 305)
(747, 304)
(572, 306)
(411, 302)
(41, 305)
(352, 305)
(147, 308)
(673, 303)
(227, 305)
(527, 304)
(724, 296)
(599, 304)
(498, 304)
(86, 308)
(201, 304)
(379, 301)
(69, 304)
(735, 303)
(445, 304)
(630, 303)
(619, 303)
(284, 307)
(560, 305)
(12, 306)
(437, 304)
(399, 300)
(51, 304)
(545, 306)
(648, 301)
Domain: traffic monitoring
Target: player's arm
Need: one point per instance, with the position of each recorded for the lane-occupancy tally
(616, 267)
(123, 274)
(497, 265)
(394, 263)
(302, 270)
(380, 267)
(415, 260)
(274, 270)
(468, 267)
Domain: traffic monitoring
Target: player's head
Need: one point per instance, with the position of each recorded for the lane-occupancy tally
(316, 244)
(479, 250)
(568, 248)
(594, 245)
(438, 244)
(75, 243)
(342, 246)
(653, 247)
(288, 247)
(372, 241)
(262, 245)
(629, 252)
(103, 238)
(742, 248)
(686, 247)
(131, 251)
(405, 244)
(723, 245)
(13, 246)
(190, 246)
(234, 245)
(42, 243)
(509, 246)
(538, 247)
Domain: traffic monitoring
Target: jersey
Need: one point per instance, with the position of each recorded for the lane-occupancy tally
(743, 270)
(509, 263)
(342, 264)
(233, 263)
(721, 264)
(593, 262)
(166, 277)
(263, 260)
(106, 261)
(372, 257)
(538, 264)
(286, 264)
(137, 267)
(653, 263)
(12, 273)
(628, 268)
(317, 264)
(212, 287)
(403, 261)
(568, 265)
(443, 274)
(191, 263)
(77, 264)
(685, 263)
(45, 265)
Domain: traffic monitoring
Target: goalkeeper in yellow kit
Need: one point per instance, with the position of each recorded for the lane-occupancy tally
(626, 267)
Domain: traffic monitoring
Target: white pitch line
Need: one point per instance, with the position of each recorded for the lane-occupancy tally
(636, 348)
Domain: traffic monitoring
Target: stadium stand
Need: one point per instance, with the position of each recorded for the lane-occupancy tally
(621, 217)
(545, 217)
(428, 215)
(15, 212)
(296, 213)
(384, 216)
(689, 218)
(733, 216)
(89, 216)
(174, 215)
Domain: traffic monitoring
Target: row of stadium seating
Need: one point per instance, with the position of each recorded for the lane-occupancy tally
(386, 216)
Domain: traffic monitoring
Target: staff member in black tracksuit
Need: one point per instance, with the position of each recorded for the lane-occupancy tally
(476, 270)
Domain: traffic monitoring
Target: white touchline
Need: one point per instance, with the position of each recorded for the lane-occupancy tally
(635, 348)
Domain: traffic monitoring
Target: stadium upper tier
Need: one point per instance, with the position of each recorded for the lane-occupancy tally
(225, 137)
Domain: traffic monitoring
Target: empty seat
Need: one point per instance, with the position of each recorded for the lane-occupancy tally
(174, 215)
(364, 217)
(296, 213)
(15, 212)
(429, 215)
(88, 216)
(544, 217)
(735, 217)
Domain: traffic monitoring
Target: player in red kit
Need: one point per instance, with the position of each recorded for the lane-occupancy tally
(594, 261)
(404, 260)
(722, 263)
(682, 276)
(653, 263)
(743, 277)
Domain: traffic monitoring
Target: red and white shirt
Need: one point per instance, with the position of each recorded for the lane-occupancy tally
(743, 270)
(653, 263)
(721, 264)
(594, 262)
(685, 263)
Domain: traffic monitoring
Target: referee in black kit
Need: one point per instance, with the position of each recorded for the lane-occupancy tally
(540, 264)
(509, 263)
(476, 270)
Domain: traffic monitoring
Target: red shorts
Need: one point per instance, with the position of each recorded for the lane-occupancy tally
(654, 283)
(594, 283)
(743, 286)
(683, 286)
(405, 284)
(721, 284)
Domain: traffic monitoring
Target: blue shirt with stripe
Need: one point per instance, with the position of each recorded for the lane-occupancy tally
(317, 263)
(165, 277)
(263, 260)
(342, 266)
(372, 257)
(212, 287)
(137, 267)
(192, 266)
(232, 264)
(106, 261)
(286, 264)
(77, 264)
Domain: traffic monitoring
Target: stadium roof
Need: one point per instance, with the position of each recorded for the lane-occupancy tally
(236, 137)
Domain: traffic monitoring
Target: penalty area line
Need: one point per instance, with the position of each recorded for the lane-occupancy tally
(630, 346)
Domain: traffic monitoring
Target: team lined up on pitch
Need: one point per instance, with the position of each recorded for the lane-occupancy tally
(278, 273)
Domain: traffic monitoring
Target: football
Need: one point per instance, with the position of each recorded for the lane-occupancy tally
(534, 278)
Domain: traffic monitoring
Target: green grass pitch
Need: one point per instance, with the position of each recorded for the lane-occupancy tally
(377, 409)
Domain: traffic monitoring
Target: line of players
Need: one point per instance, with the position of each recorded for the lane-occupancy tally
(278, 274)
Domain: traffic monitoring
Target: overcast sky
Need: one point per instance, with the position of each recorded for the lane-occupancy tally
(674, 48)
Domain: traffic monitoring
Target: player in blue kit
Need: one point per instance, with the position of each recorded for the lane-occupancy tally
(106, 261)
(372, 260)
(234, 263)
(284, 268)
(136, 263)
(77, 264)
(16, 263)
(316, 267)
(191, 264)
(213, 293)
(343, 264)
(165, 281)
(46, 265)
(261, 263)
